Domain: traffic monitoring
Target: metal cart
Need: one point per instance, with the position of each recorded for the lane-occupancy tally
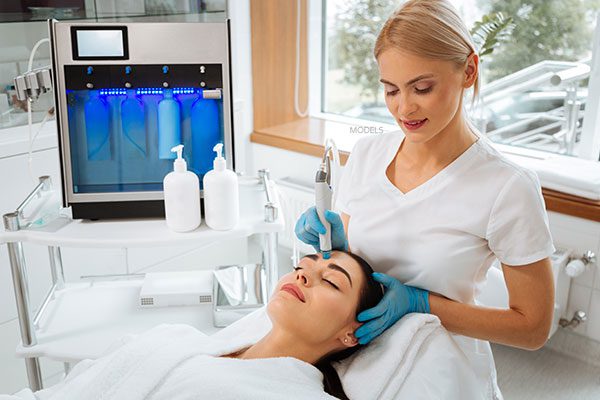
(80, 320)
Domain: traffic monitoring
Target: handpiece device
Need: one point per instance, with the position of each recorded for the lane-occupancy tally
(323, 194)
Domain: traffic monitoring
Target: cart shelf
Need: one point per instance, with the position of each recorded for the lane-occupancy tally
(85, 319)
(149, 232)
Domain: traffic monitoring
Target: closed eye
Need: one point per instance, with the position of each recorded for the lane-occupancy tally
(332, 284)
(423, 91)
(328, 281)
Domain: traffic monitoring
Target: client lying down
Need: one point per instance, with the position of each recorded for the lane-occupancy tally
(313, 313)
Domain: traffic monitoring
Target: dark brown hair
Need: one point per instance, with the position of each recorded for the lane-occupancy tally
(370, 295)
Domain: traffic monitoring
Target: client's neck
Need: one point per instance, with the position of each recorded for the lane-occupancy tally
(278, 343)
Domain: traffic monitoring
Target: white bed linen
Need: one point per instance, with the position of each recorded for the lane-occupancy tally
(177, 362)
(415, 359)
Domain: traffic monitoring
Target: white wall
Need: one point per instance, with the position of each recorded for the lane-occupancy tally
(581, 236)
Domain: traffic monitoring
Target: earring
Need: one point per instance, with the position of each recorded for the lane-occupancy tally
(346, 340)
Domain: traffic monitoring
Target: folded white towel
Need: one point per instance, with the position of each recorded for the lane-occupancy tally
(380, 370)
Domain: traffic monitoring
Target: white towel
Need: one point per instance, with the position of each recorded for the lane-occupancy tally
(173, 362)
(380, 370)
(132, 371)
(230, 281)
(376, 372)
(170, 362)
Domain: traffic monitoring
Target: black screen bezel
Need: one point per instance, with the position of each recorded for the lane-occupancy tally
(74, 47)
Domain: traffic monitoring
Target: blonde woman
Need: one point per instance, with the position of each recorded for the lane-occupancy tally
(433, 206)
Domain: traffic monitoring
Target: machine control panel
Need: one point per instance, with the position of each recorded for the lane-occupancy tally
(104, 76)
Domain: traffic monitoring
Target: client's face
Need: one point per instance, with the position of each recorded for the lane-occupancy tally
(318, 301)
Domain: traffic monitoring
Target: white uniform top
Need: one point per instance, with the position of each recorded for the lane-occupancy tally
(443, 235)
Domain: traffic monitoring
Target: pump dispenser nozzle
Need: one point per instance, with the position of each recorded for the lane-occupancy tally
(219, 162)
(179, 165)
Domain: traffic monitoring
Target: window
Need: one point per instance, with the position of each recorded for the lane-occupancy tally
(535, 86)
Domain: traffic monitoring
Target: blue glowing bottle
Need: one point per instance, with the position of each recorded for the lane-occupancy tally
(169, 125)
(132, 122)
(97, 128)
(206, 133)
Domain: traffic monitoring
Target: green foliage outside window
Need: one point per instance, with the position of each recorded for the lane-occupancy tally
(538, 30)
(544, 30)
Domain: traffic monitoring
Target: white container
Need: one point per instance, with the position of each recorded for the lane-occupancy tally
(182, 196)
(221, 195)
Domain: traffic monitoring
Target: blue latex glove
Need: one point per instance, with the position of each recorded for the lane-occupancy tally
(309, 226)
(398, 300)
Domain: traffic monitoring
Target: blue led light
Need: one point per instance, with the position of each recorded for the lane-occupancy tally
(151, 91)
(184, 90)
(146, 91)
(113, 92)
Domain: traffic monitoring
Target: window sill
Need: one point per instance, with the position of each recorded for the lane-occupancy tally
(308, 135)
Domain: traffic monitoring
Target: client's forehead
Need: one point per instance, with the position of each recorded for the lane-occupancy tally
(336, 255)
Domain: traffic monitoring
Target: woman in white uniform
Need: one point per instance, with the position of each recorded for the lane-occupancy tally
(431, 207)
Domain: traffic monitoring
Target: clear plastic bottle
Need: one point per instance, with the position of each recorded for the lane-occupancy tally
(182, 196)
(221, 195)
(206, 133)
(133, 126)
(97, 128)
(169, 125)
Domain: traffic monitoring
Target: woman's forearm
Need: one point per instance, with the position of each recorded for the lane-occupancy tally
(506, 326)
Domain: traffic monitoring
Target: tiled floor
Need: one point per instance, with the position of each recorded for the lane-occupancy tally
(544, 374)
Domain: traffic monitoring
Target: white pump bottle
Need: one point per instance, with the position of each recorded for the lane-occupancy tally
(182, 196)
(221, 195)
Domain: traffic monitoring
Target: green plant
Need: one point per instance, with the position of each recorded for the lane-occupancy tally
(544, 30)
(493, 29)
(538, 30)
(356, 27)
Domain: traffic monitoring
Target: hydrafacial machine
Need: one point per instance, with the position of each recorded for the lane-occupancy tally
(126, 93)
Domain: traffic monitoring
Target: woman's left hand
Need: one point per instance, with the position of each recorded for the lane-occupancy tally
(398, 300)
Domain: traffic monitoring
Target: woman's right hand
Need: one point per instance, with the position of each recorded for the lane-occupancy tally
(309, 226)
